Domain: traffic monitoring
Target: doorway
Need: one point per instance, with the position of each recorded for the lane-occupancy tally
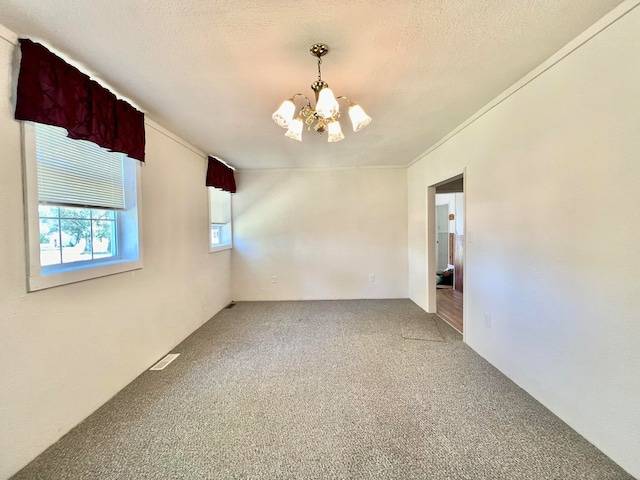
(449, 238)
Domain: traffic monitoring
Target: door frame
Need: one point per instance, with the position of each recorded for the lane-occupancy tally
(432, 238)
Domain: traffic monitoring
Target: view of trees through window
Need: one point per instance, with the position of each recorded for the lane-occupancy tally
(70, 234)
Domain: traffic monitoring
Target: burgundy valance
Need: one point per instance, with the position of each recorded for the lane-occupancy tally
(220, 176)
(53, 92)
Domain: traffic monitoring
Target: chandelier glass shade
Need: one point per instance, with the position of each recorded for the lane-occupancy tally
(327, 112)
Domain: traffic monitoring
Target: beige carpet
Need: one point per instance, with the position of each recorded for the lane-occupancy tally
(322, 390)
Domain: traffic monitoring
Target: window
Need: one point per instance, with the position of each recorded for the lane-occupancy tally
(220, 237)
(73, 235)
(81, 209)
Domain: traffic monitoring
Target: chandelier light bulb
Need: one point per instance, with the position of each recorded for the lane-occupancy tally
(295, 129)
(359, 119)
(335, 132)
(327, 105)
(284, 114)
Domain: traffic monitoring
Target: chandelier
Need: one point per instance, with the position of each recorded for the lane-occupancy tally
(325, 117)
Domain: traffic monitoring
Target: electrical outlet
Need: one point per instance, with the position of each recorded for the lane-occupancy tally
(274, 279)
(372, 277)
(487, 320)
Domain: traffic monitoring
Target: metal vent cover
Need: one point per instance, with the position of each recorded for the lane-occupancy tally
(165, 361)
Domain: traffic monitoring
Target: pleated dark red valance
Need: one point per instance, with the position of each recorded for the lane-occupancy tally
(52, 92)
(220, 176)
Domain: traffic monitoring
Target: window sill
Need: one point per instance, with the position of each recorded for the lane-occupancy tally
(74, 275)
(219, 248)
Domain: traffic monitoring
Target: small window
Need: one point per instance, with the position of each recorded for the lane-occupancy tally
(220, 236)
(82, 209)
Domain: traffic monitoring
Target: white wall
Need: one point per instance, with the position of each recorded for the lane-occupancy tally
(458, 220)
(321, 232)
(553, 206)
(442, 242)
(455, 201)
(67, 350)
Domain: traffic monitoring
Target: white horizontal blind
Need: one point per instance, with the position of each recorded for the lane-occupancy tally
(77, 172)
(220, 206)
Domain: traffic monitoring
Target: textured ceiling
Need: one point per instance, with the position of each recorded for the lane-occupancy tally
(213, 71)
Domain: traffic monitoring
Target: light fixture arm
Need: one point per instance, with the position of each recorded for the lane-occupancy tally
(301, 95)
(347, 99)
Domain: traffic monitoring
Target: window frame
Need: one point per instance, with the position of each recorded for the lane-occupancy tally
(229, 225)
(129, 224)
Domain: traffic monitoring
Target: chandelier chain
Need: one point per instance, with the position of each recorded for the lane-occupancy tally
(319, 74)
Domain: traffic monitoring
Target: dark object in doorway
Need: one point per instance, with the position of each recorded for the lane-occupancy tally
(445, 278)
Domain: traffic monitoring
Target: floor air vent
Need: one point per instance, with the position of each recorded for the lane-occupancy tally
(165, 361)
